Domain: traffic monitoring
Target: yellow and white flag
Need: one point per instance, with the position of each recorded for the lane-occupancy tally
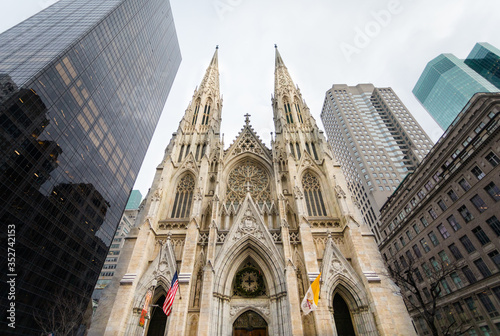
(310, 302)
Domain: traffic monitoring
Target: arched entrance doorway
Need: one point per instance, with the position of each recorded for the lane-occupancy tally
(158, 321)
(342, 317)
(250, 323)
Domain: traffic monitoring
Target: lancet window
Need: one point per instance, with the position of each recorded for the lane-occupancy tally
(183, 197)
(288, 113)
(299, 113)
(312, 193)
(206, 114)
(248, 177)
(195, 115)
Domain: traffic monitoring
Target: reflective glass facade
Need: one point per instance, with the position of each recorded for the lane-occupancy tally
(485, 60)
(447, 84)
(82, 86)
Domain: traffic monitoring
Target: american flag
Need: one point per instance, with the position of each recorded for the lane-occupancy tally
(169, 300)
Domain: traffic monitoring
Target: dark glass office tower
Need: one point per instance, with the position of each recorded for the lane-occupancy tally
(82, 86)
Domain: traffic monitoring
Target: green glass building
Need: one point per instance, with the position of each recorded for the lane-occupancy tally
(447, 82)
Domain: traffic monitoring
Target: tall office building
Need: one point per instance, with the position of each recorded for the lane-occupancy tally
(376, 141)
(448, 83)
(83, 84)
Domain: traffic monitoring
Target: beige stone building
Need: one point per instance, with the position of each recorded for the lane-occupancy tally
(248, 228)
(442, 225)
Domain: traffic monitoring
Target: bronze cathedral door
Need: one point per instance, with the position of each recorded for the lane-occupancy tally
(250, 324)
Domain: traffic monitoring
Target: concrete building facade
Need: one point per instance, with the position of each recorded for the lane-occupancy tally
(376, 141)
(444, 218)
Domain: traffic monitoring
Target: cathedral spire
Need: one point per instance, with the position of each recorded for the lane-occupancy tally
(282, 78)
(288, 106)
(210, 81)
(204, 110)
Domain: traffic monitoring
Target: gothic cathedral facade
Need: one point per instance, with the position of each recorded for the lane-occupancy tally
(248, 228)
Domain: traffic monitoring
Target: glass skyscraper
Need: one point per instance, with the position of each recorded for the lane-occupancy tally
(447, 83)
(82, 86)
(485, 60)
(376, 141)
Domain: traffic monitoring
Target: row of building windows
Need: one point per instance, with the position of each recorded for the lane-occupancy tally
(491, 189)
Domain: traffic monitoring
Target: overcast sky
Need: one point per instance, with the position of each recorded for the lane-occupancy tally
(322, 42)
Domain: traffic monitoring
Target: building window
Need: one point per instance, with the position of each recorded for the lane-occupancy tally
(180, 154)
(409, 235)
(206, 114)
(418, 275)
(495, 257)
(424, 244)
(416, 250)
(486, 329)
(424, 221)
(493, 159)
(195, 115)
(402, 240)
(410, 256)
(481, 266)
(183, 197)
(442, 205)
(478, 173)
(469, 275)
(466, 215)
(457, 281)
(455, 251)
(445, 286)
(493, 191)
(314, 150)
(488, 305)
(433, 238)
(453, 223)
(469, 247)
(481, 235)
(313, 196)
(444, 258)
(464, 184)
(416, 228)
(494, 224)
(442, 229)
(432, 213)
(435, 264)
(479, 203)
(288, 113)
(452, 195)
(426, 269)
(299, 113)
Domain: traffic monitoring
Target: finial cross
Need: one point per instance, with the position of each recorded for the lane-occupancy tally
(247, 118)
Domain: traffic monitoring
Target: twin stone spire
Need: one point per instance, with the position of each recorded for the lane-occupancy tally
(204, 110)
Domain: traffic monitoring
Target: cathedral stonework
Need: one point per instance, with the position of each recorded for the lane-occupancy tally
(248, 228)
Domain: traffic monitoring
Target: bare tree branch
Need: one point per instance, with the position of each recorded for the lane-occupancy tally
(421, 295)
(63, 317)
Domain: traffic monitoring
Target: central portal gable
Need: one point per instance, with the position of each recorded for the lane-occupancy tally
(249, 225)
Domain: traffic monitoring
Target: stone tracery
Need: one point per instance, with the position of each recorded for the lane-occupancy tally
(248, 177)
